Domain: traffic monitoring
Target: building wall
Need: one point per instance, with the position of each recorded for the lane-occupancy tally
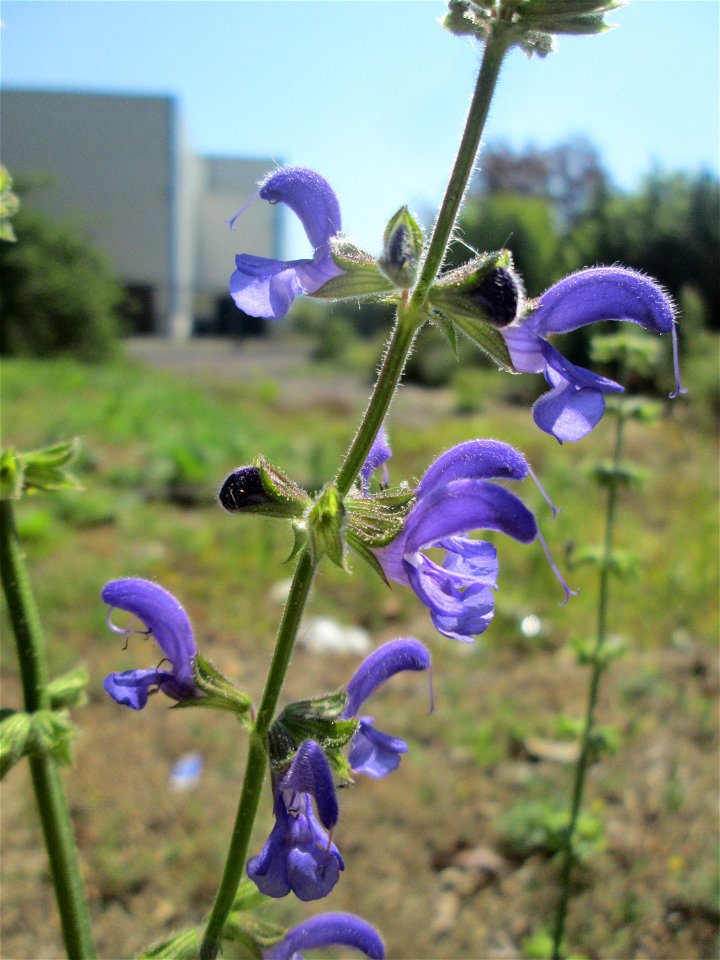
(107, 161)
(228, 185)
(122, 168)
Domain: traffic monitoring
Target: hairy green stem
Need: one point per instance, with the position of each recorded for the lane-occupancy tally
(412, 315)
(47, 782)
(398, 349)
(410, 318)
(495, 49)
(593, 690)
(257, 758)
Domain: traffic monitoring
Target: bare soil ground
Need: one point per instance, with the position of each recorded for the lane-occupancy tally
(428, 858)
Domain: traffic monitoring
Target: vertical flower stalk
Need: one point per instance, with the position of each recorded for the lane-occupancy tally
(410, 318)
(593, 691)
(411, 314)
(47, 783)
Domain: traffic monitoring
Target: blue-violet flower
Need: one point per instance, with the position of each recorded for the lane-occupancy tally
(328, 930)
(454, 498)
(299, 855)
(164, 619)
(576, 402)
(264, 287)
(373, 752)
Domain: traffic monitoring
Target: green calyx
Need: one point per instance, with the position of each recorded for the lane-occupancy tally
(402, 249)
(43, 731)
(262, 488)
(319, 719)
(528, 24)
(45, 469)
(325, 526)
(219, 693)
(376, 520)
(479, 298)
(361, 276)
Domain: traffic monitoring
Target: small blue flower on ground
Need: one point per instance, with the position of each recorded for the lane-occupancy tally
(168, 623)
(454, 498)
(373, 752)
(328, 930)
(264, 287)
(299, 856)
(576, 402)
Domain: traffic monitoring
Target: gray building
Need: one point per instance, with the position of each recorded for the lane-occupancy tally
(122, 169)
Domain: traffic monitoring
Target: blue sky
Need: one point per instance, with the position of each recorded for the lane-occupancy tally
(372, 93)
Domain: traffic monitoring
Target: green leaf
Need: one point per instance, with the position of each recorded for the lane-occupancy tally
(485, 336)
(15, 728)
(69, 689)
(46, 469)
(12, 476)
(181, 946)
(607, 474)
(447, 329)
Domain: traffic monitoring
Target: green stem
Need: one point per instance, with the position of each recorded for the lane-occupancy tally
(49, 793)
(257, 758)
(495, 49)
(412, 315)
(410, 318)
(398, 348)
(594, 687)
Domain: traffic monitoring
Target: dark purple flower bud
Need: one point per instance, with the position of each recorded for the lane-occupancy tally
(262, 488)
(168, 623)
(373, 752)
(454, 498)
(264, 287)
(576, 402)
(328, 930)
(243, 488)
(299, 856)
(497, 295)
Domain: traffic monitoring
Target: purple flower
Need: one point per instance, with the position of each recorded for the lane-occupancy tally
(164, 619)
(454, 498)
(264, 287)
(373, 752)
(576, 402)
(380, 453)
(328, 930)
(299, 855)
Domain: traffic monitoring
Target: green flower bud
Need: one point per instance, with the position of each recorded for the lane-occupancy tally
(402, 249)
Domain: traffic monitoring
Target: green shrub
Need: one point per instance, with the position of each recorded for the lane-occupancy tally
(58, 295)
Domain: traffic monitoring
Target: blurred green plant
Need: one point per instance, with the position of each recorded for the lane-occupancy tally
(58, 294)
